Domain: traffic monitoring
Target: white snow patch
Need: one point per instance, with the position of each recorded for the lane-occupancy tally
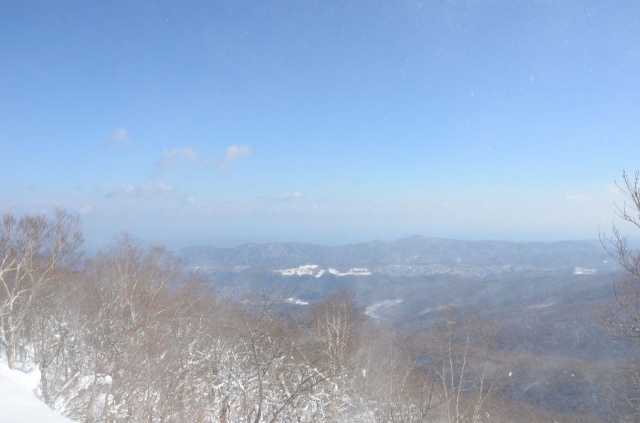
(305, 270)
(432, 310)
(318, 272)
(356, 271)
(371, 310)
(584, 271)
(28, 380)
(18, 404)
(543, 305)
(296, 301)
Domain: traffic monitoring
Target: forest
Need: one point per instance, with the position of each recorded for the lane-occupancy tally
(129, 336)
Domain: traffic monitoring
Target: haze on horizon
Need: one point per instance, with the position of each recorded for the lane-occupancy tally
(328, 122)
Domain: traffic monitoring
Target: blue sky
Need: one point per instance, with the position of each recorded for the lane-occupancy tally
(225, 122)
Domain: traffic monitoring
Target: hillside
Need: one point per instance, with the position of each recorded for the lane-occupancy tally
(542, 296)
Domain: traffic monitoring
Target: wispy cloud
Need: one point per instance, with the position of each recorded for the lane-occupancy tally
(233, 154)
(170, 158)
(237, 152)
(288, 196)
(121, 138)
(575, 197)
(137, 191)
(612, 189)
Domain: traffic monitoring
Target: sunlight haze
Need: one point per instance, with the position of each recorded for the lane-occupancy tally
(330, 122)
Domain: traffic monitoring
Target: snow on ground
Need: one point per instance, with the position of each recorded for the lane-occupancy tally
(584, 271)
(543, 305)
(315, 270)
(307, 269)
(296, 301)
(355, 271)
(371, 310)
(17, 402)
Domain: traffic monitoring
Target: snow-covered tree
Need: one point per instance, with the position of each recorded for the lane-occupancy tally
(35, 251)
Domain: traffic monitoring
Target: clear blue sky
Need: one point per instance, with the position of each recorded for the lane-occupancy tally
(327, 121)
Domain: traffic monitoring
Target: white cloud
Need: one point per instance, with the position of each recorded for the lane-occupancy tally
(288, 196)
(237, 152)
(128, 191)
(170, 158)
(233, 154)
(121, 138)
(86, 209)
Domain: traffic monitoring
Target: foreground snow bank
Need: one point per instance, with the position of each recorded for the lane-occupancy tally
(17, 402)
(28, 380)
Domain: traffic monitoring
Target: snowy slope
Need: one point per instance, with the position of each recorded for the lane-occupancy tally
(17, 402)
(318, 272)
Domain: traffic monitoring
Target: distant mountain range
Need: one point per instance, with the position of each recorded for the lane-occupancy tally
(412, 255)
(421, 272)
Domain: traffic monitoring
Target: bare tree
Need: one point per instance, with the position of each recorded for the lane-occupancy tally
(34, 251)
(397, 387)
(337, 322)
(335, 339)
(461, 357)
(131, 319)
(275, 374)
(55, 332)
(622, 316)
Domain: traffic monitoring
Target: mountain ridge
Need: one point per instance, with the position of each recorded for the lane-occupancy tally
(413, 250)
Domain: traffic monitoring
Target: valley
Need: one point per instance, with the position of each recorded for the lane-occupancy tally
(542, 297)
